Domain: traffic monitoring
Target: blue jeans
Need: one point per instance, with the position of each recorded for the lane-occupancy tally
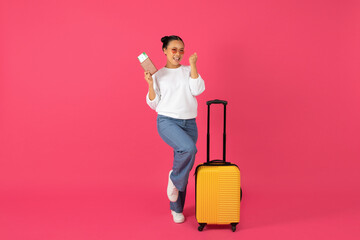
(182, 136)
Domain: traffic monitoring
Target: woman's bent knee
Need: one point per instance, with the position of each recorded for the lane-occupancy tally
(191, 150)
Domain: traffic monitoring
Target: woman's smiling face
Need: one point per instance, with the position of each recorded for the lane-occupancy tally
(174, 53)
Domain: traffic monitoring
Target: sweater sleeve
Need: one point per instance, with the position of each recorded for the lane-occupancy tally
(197, 86)
(153, 103)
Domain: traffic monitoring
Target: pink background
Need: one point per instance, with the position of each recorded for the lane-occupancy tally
(80, 157)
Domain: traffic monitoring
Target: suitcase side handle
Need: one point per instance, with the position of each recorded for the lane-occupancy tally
(218, 162)
(216, 101)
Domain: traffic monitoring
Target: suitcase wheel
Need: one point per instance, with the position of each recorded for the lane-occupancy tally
(233, 226)
(201, 227)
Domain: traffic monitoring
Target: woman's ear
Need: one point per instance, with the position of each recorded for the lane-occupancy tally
(164, 50)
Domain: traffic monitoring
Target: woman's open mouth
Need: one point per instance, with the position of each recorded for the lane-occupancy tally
(177, 59)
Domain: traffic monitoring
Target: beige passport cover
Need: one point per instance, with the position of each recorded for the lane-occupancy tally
(149, 66)
(146, 63)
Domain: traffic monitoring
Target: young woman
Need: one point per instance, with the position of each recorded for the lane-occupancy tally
(172, 91)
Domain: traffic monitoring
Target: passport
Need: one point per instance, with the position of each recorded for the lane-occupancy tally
(146, 63)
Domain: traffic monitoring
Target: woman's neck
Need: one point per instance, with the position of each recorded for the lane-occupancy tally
(169, 65)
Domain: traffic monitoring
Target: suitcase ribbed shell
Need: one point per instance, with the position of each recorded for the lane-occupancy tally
(218, 194)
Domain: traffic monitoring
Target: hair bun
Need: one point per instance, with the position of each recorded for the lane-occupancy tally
(163, 39)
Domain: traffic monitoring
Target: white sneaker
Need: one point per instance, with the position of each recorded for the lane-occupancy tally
(178, 217)
(172, 192)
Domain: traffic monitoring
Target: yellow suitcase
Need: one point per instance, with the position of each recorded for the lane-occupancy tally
(217, 187)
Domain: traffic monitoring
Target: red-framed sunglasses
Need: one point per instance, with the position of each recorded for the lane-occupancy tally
(174, 50)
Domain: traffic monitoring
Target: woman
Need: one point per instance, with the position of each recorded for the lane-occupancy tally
(172, 91)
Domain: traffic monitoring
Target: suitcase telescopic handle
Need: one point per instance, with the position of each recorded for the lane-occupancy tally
(216, 101)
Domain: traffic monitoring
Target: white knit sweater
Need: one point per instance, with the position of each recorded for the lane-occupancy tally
(175, 92)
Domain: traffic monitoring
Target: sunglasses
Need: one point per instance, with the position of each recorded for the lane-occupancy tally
(174, 50)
